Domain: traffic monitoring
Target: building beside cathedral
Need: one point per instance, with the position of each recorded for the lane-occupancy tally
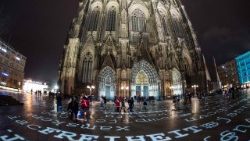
(129, 48)
(228, 74)
(12, 64)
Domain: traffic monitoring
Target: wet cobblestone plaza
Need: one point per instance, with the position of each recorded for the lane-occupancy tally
(211, 119)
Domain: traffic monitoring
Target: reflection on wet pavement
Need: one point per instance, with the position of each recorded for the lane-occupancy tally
(213, 118)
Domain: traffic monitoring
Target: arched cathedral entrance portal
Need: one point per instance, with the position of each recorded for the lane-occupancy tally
(142, 84)
(107, 81)
(145, 80)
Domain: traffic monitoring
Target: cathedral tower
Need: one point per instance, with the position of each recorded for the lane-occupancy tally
(131, 47)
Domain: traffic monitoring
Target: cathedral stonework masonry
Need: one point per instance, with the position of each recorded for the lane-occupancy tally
(131, 48)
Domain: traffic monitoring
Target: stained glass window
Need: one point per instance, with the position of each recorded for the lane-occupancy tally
(87, 68)
(138, 21)
(111, 20)
(94, 19)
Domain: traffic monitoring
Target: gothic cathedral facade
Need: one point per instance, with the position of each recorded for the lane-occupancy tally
(130, 48)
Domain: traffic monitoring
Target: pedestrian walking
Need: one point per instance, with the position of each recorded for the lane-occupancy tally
(145, 104)
(73, 108)
(131, 104)
(123, 106)
(102, 101)
(85, 108)
(117, 105)
(59, 102)
(189, 97)
(105, 101)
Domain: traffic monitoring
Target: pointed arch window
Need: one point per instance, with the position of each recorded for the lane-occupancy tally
(176, 23)
(138, 21)
(111, 20)
(94, 19)
(164, 24)
(87, 68)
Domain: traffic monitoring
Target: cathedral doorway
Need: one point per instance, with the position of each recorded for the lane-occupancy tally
(145, 80)
(142, 84)
(107, 82)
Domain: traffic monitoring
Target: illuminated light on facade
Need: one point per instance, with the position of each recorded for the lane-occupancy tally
(3, 49)
(33, 86)
(17, 58)
(176, 89)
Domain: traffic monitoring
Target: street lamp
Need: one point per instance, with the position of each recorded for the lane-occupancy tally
(195, 86)
(90, 87)
(55, 88)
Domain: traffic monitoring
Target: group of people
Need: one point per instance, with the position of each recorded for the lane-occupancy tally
(231, 93)
(79, 113)
(79, 108)
(120, 105)
(103, 101)
(187, 98)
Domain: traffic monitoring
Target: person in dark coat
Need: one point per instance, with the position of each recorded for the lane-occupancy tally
(73, 108)
(105, 101)
(145, 104)
(123, 106)
(131, 104)
(59, 102)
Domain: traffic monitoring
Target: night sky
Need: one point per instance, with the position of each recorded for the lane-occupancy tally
(38, 29)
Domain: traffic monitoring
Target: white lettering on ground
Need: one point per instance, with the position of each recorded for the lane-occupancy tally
(159, 137)
(15, 138)
(135, 138)
(66, 134)
(178, 134)
(111, 138)
(85, 137)
(49, 130)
